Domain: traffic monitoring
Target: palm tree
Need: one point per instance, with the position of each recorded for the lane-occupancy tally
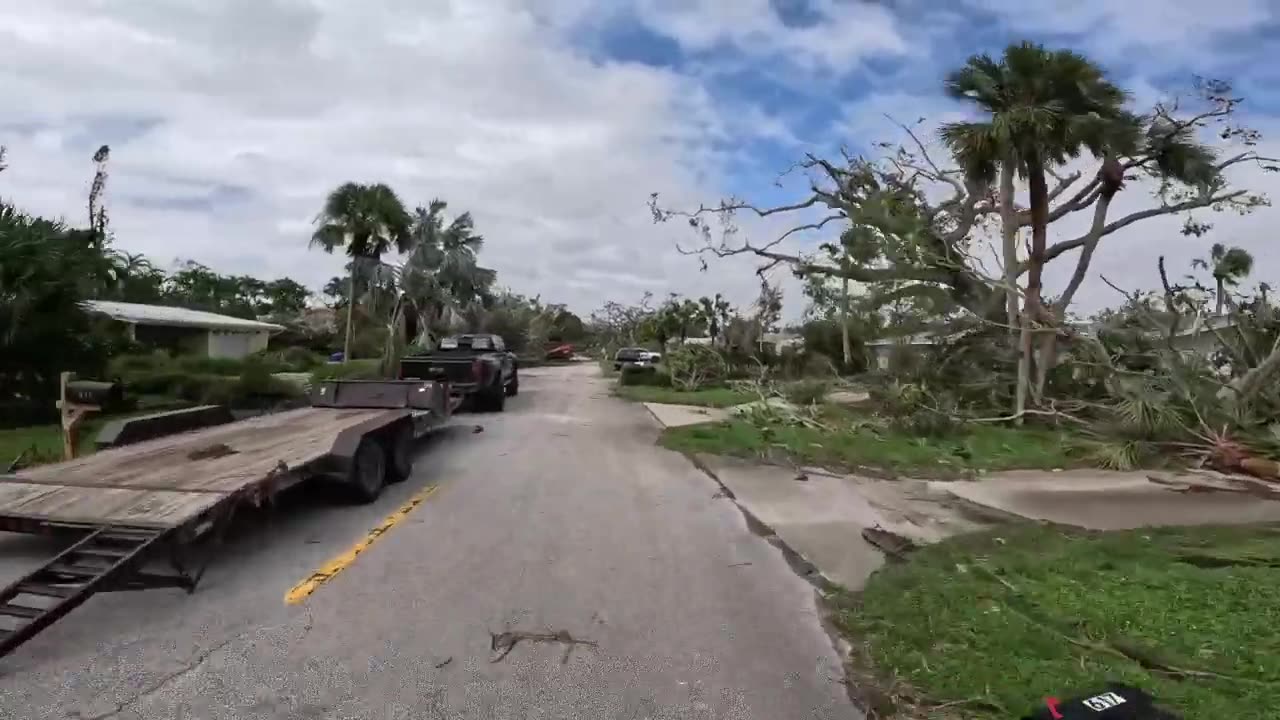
(443, 274)
(1229, 267)
(1044, 108)
(136, 279)
(715, 315)
(367, 221)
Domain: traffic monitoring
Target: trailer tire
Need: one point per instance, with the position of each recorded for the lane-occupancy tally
(496, 400)
(400, 453)
(368, 470)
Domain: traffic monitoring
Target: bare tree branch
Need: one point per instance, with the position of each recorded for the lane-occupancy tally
(1090, 244)
(1068, 245)
(1064, 182)
(924, 152)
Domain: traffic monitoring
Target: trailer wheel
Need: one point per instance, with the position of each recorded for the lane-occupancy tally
(497, 401)
(400, 453)
(368, 470)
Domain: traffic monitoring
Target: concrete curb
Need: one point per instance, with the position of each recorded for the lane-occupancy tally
(800, 564)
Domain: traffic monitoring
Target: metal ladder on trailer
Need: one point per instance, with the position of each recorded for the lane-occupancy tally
(107, 559)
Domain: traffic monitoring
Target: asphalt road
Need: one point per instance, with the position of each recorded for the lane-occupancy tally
(560, 517)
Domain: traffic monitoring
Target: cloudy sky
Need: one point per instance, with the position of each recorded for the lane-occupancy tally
(551, 120)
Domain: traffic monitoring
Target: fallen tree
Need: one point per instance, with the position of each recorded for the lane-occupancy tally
(912, 225)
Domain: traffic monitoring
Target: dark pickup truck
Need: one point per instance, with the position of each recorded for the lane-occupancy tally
(477, 366)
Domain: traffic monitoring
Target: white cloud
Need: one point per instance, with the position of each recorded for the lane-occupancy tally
(229, 121)
(846, 32)
(1184, 29)
(873, 118)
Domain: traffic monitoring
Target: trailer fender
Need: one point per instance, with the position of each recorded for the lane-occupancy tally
(337, 463)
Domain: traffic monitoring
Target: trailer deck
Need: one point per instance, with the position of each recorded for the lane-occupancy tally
(130, 502)
(170, 481)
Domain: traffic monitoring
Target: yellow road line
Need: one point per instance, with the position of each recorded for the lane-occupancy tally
(337, 564)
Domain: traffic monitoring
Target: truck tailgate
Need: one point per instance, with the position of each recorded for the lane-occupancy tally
(455, 370)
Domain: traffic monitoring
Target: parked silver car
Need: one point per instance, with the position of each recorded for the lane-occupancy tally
(635, 357)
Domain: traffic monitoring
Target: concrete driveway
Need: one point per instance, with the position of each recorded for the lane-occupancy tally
(619, 585)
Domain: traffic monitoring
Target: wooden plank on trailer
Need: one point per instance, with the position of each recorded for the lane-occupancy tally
(103, 505)
(219, 459)
(13, 493)
(168, 481)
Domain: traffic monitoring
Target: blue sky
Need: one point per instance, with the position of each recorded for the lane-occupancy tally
(812, 102)
(550, 121)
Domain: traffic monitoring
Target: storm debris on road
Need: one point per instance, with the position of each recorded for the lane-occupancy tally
(504, 642)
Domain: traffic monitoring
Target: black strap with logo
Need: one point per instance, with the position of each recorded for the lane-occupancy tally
(1116, 702)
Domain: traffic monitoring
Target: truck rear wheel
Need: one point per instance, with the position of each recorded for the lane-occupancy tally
(513, 387)
(400, 453)
(368, 470)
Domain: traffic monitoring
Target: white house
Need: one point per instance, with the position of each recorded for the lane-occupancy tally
(193, 332)
(1200, 334)
(881, 350)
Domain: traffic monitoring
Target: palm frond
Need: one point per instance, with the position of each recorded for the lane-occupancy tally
(1120, 455)
(329, 237)
(1044, 105)
(977, 147)
(981, 80)
(1178, 155)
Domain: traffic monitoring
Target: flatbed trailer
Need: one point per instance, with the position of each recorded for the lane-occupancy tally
(134, 504)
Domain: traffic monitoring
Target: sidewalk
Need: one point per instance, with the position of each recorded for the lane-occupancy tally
(822, 518)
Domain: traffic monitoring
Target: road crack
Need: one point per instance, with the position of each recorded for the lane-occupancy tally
(161, 684)
(196, 662)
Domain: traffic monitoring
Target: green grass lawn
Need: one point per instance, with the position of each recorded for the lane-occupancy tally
(710, 397)
(990, 623)
(978, 447)
(44, 442)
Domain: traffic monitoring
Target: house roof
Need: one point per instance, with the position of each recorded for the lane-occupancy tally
(916, 339)
(140, 314)
(1206, 323)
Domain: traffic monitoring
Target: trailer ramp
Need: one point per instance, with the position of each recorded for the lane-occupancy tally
(106, 559)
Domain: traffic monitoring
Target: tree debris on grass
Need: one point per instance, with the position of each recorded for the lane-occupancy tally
(893, 545)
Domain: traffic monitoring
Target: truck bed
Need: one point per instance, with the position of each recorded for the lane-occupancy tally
(169, 481)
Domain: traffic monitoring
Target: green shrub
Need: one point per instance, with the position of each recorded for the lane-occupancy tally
(293, 359)
(161, 362)
(925, 423)
(352, 370)
(122, 365)
(696, 366)
(210, 366)
(648, 376)
(255, 379)
(823, 337)
(213, 390)
(153, 382)
(806, 392)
